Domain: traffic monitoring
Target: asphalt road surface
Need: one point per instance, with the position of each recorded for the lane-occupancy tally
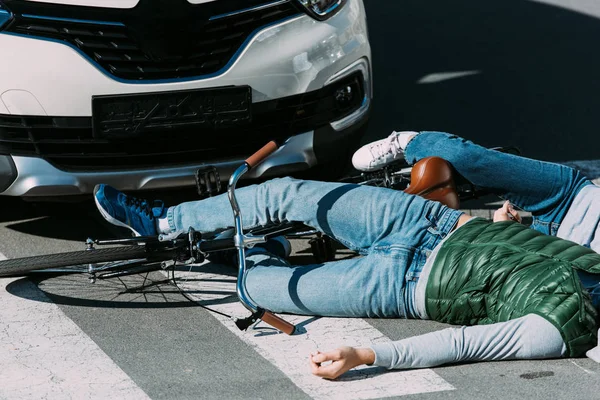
(510, 72)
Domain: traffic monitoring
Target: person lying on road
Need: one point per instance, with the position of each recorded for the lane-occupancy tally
(514, 291)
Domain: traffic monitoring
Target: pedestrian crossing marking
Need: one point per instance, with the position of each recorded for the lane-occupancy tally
(290, 353)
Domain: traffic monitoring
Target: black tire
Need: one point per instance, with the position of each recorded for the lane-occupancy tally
(22, 266)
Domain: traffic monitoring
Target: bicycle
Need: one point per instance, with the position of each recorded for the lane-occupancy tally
(165, 252)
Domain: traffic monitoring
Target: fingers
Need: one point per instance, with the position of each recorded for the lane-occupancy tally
(331, 370)
(332, 364)
(320, 357)
(511, 212)
(314, 366)
(507, 213)
(514, 213)
(501, 214)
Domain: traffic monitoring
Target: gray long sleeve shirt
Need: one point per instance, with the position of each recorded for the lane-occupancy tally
(528, 337)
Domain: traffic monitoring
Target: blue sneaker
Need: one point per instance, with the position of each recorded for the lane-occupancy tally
(138, 215)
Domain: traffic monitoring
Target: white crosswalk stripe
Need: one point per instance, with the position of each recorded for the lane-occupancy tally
(290, 353)
(44, 355)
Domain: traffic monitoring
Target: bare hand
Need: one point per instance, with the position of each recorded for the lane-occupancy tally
(506, 213)
(339, 361)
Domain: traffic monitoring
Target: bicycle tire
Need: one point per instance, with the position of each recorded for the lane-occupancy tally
(22, 266)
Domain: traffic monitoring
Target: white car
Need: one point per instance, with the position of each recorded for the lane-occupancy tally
(140, 93)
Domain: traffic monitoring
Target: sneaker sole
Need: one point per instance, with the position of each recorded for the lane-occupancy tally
(397, 161)
(112, 220)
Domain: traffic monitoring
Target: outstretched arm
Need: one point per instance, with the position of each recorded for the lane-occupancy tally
(528, 337)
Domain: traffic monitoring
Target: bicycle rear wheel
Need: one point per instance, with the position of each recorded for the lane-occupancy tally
(23, 266)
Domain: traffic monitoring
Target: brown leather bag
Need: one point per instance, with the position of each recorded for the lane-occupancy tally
(433, 179)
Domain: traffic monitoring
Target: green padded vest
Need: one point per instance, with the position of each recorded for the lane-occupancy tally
(489, 272)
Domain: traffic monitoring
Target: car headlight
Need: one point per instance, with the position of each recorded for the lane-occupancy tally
(322, 9)
(5, 15)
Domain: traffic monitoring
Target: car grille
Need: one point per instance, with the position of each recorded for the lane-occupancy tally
(69, 143)
(194, 49)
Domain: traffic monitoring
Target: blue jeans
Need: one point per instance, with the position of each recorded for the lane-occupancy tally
(542, 188)
(394, 232)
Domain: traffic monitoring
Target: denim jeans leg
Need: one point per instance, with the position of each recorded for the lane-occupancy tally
(542, 188)
(357, 216)
(370, 286)
(381, 284)
(388, 226)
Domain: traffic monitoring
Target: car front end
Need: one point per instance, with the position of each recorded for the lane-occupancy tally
(140, 93)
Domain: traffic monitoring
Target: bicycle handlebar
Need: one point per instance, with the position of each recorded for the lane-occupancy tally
(216, 245)
(261, 154)
(279, 323)
(242, 241)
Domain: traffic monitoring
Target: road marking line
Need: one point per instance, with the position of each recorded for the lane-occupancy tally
(44, 354)
(587, 371)
(438, 77)
(290, 353)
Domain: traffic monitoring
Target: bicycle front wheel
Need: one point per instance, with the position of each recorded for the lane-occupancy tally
(23, 266)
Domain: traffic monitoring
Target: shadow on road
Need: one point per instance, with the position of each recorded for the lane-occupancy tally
(511, 72)
(67, 221)
(73, 218)
(134, 291)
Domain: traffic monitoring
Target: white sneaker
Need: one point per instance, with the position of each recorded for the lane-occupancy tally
(378, 154)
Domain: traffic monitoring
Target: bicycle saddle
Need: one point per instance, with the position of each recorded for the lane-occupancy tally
(433, 179)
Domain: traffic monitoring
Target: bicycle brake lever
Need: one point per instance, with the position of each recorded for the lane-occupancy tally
(166, 237)
(244, 323)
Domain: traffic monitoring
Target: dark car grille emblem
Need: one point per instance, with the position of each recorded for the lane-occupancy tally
(169, 30)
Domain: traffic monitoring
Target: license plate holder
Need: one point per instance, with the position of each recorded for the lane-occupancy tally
(132, 115)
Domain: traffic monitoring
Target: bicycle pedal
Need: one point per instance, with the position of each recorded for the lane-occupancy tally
(322, 249)
(329, 249)
(208, 182)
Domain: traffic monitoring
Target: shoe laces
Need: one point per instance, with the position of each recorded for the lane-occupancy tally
(142, 206)
(389, 145)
